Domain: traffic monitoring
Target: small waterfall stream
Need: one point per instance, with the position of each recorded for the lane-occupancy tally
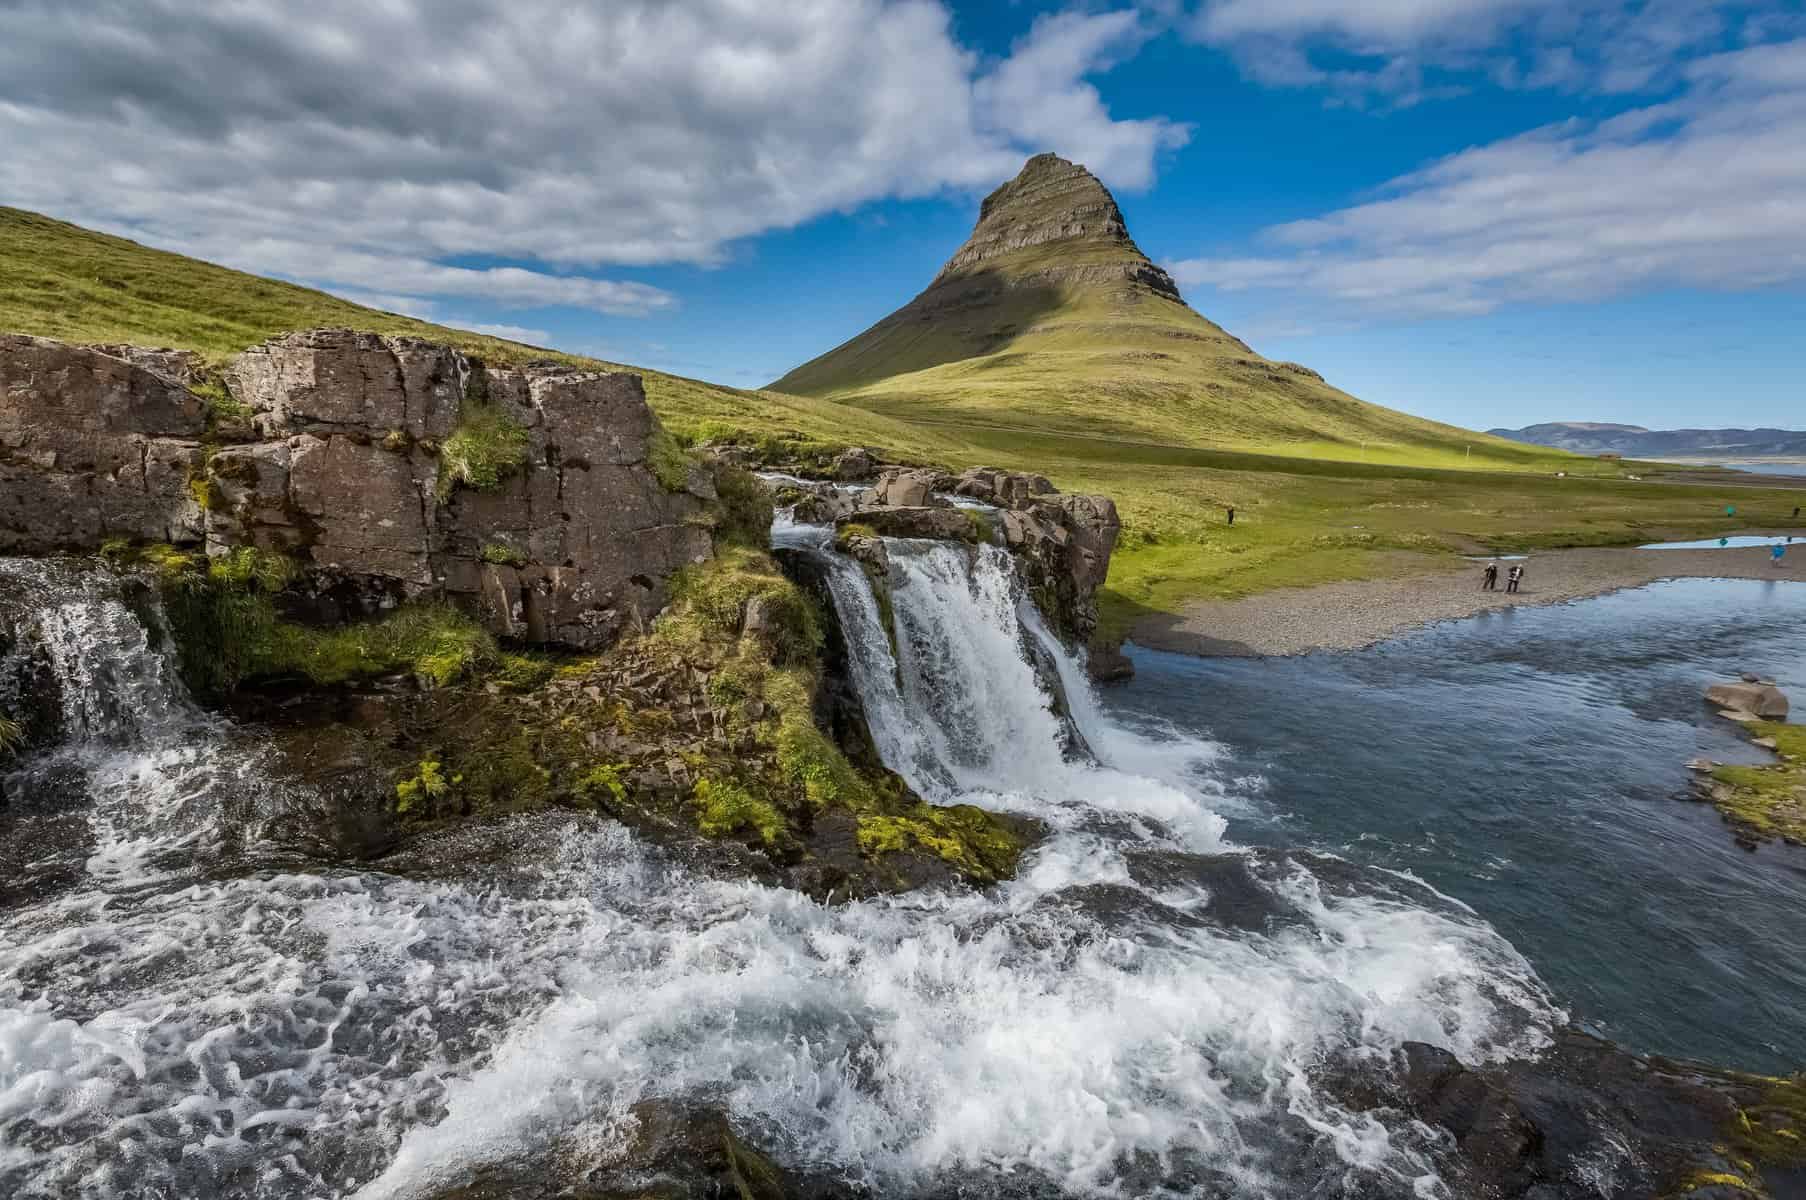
(1139, 1012)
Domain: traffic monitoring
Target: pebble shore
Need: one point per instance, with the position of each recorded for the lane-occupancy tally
(1354, 614)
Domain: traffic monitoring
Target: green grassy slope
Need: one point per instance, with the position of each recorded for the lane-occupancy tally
(62, 281)
(1300, 520)
(1051, 318)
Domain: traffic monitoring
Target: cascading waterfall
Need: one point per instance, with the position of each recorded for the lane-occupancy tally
(153, 768)
(1139, 1012)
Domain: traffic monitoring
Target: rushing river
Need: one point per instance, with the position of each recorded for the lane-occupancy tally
(191, 1005)
(1531, 762)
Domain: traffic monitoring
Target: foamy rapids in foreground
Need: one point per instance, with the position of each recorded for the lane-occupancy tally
(190, 1008)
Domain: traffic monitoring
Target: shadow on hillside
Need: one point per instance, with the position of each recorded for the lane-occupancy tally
(1154, 629)
(965, 317)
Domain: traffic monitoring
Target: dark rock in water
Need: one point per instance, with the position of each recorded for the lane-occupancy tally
(1582, 1120)
(916, 522)
(1237, 897)
(674, 1152)
(1108, 664)
(823, 506)
(855, 464)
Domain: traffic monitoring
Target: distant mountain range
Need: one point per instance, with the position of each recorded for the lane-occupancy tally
(1634, 441)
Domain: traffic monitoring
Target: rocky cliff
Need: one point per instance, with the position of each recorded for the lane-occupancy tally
(1054, 203)
(544, 499)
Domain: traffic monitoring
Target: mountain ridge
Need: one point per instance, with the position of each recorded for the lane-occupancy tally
(1636, 441)
(1049, 316)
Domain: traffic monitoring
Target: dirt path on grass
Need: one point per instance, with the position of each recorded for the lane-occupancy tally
(1347, 616)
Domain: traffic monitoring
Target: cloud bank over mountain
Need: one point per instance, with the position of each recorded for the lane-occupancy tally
(431, 149)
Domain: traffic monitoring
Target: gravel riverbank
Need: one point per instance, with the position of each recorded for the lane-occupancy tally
(1350, 615)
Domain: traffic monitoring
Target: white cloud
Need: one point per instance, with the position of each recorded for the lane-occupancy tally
(403, 148)
(512, 333)
(1409, 50)
(1038, 96)
(1707, 190)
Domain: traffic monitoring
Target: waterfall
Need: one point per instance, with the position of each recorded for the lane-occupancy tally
(1139, 1012)
(152, 768)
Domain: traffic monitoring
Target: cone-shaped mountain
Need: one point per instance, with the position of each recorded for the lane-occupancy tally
(1050, 317)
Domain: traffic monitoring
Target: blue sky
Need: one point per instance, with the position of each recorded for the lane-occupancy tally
(1492, 212)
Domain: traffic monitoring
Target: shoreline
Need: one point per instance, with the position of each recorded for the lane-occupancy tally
(1355, 614)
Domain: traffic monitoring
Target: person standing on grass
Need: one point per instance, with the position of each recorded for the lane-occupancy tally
(1489, 578)
(1232, 515)
(1514, 578)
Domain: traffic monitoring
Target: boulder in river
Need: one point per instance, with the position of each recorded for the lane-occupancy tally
(1763, 700)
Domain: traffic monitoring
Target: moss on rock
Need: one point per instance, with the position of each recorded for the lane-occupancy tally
(1764, 803)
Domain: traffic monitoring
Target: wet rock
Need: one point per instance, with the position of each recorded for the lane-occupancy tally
(1108, 664)
(1763, 700)
(1581, 1120)
(1235, 896)
(907, 487)
(915, 522)
(1064, 543)
(824, 506)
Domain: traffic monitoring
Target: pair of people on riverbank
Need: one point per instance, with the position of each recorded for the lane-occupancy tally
(1489, 578)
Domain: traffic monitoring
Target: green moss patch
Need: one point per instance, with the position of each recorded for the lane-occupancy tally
(727, 809)
(1772, 1130)
(967, 838)
(1764, 803)
(222, 614)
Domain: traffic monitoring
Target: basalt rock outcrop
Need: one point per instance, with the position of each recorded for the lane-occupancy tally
(335, 449)
(1062, 542)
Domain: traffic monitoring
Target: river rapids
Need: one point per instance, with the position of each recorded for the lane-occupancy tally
(193, 1005)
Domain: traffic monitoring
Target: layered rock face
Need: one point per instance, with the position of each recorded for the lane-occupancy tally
(1062, 542)
(1055, 201)
(333, 455)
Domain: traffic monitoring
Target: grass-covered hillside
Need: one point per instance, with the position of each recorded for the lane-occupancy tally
(63, 281)
(1050, 318)
(1300, 519)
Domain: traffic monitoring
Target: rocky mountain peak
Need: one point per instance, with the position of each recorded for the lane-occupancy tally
(1053, 216)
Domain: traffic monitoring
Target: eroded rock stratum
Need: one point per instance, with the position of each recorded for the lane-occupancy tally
(389, 468)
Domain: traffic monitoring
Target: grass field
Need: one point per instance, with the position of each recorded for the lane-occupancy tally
(1299, 519)
(1301, 522)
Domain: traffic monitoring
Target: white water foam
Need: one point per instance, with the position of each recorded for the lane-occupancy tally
(339, 1033)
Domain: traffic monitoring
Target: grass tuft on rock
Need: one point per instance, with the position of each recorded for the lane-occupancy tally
(670, 463)
(487, 446)
(12, 736)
